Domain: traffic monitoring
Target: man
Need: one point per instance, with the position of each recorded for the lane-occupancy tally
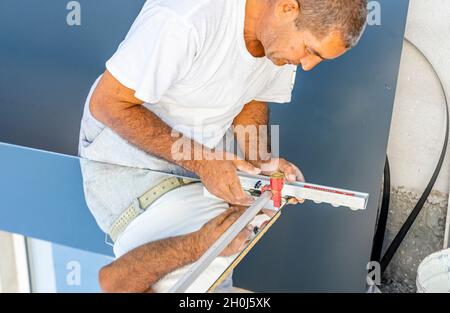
(201, 67)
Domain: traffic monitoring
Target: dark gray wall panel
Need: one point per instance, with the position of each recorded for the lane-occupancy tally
(336, 129)
(47, 67)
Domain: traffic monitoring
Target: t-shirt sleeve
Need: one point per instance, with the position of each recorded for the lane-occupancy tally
(157, 52)
(279, 85)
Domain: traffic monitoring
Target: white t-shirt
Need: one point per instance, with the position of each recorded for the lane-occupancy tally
(187, 60)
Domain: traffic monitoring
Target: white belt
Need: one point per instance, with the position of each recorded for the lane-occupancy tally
(140, 204)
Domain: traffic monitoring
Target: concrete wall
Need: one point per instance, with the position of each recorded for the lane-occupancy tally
(416, 139)
(8, 274)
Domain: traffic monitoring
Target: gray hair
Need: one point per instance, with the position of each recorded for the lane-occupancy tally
(324, 16)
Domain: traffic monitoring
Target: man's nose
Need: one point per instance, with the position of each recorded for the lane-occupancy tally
(310, 62)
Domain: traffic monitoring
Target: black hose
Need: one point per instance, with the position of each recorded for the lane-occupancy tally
(393, 247)
(383, 216)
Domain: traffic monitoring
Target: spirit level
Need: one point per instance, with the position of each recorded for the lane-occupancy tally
(336, 197)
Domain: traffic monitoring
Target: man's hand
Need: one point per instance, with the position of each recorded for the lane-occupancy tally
(290, 171)
(253, 116)
(211, 232)
(221, 179)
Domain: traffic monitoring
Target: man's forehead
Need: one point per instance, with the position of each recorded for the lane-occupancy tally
(329, 47)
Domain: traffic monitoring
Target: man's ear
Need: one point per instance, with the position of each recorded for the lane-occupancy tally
(287, 9)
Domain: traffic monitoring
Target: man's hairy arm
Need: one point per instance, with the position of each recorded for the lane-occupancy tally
(139, 269)
(254, 114)
(258, 150)
(115, 105)
(142, 267)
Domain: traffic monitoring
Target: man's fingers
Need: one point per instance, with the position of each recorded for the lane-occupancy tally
(246, 167)
(296, 201)
(270, 213)
(228, 196)
(241, 198)
(270, 167)
(291, 171)
(228, 188)
(239, 243)
(293, 201)
(222, 193)
(300, 176)
(243, 235)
